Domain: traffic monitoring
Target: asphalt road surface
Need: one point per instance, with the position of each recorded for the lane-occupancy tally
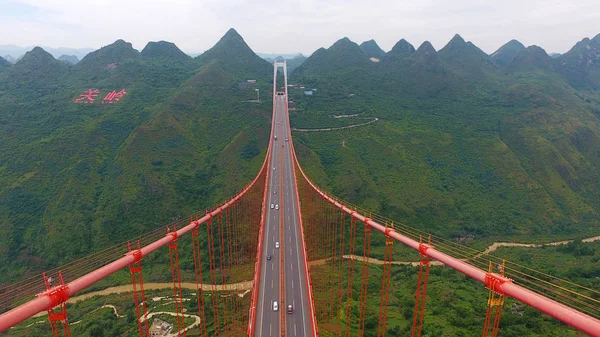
(289, 255)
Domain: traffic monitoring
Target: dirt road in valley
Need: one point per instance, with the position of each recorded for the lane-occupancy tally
(490, 249)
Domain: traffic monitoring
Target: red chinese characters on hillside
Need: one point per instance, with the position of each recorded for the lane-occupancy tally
(89, 96)
(114, 96)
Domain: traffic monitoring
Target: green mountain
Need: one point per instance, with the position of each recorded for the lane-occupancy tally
(371, 49)
(75, 178)
(294, 63)
(468, 61)
(531, 58)
(4, 63)
(233, 51)
(35, 75)
(108, 58)
(344, 55)
(402, 49)
(461, 147)
(462, 53)
(581, 64)
(69, 59)
(426, 58)
(164, 49)
(505, 54)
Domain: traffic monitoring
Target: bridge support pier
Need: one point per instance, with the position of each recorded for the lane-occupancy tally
(364, 283)
(495, 301)
(385, 284)
(421, 294)
(57, 314)
(199, 279)
(350, 274)
(176, 277)
(135, 269)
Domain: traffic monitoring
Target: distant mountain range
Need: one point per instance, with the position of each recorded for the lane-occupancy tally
(506, 144)
(16, 52)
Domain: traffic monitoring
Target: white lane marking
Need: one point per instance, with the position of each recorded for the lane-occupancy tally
(295, 334)
(292, 284)
(272, 266)
(264, 274)
(290, 251)
(272, 283)
(295, 221)
(291, 267)
(270, 332)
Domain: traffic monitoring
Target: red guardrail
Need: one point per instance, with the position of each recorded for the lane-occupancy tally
(502, 285)
(60, 294)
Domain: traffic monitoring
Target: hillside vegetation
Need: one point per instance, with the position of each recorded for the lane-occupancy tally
(75, 178)
(467, 144)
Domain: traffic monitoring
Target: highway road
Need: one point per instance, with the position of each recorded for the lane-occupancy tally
(298, 322)
(282, 226)
(268, 321)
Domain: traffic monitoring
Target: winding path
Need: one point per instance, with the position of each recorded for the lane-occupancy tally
(375, 119)
(240, 286)
(196, 320)
(490, 249)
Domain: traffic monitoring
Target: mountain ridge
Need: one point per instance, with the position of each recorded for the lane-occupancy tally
(164, 49)
(372, 49)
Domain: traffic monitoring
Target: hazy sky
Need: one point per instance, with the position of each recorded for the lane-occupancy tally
(289, 26)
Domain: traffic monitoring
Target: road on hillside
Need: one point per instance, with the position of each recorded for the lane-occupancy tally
(290, 254)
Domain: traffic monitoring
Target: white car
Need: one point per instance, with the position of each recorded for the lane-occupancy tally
(276, 206)
(272, 206)
(275, 306)
(277, 244)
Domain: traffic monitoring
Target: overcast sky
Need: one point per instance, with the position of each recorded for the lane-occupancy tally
(290, 26)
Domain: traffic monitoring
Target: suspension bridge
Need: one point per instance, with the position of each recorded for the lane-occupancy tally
(269, 233)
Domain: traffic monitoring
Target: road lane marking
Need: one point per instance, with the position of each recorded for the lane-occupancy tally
(292, 284)
(295, 221)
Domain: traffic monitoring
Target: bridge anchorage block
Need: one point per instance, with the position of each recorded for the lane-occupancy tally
(495, 281)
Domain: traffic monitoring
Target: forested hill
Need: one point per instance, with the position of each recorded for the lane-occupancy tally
(467, 145)
(95, 153)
